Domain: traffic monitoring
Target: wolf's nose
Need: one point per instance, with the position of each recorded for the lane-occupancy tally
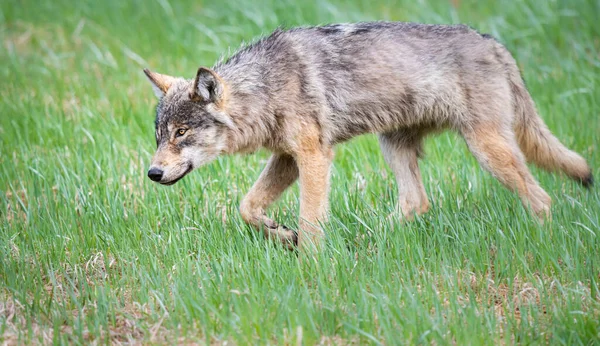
(155, 174)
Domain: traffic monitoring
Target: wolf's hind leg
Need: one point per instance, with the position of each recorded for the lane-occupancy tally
(401, 150)
(280, 172)
(497, 151)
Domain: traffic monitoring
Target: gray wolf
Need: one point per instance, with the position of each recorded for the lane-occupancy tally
(299, 92)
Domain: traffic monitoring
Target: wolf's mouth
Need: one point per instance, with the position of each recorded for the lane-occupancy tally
(169, 183)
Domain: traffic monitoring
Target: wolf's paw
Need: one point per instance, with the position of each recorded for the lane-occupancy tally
(540, 202)
(544, 214)
(406, 213)
(403, 215)
(288, 237)
(396, 217)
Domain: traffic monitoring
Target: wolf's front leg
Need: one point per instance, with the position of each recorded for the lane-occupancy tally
(314, 162)
(281, 171)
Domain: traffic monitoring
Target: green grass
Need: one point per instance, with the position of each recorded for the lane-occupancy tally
(91, 250)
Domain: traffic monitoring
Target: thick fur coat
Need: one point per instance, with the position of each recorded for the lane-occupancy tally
(301, 91)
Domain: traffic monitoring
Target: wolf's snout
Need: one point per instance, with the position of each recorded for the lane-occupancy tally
(155, 174)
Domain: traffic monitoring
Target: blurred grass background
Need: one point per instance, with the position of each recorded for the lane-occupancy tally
(92, 251)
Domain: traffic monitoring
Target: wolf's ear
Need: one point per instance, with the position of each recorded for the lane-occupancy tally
(208, 86)
(160, 82)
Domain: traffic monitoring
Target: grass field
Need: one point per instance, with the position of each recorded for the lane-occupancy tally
(92, 251)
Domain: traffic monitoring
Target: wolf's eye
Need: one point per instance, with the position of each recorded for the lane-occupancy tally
(180, 132)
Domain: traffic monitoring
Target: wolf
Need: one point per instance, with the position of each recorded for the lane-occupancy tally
(298, 92)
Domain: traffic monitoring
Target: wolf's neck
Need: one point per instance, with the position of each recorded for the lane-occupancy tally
(249, 105)
(252, 122)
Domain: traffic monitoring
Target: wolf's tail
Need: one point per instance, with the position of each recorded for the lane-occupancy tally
(535, 139)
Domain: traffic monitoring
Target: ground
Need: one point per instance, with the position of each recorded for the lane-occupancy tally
(92, 251)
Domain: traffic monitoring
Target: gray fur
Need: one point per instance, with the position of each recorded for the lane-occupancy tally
(366, 77)
(400, 80)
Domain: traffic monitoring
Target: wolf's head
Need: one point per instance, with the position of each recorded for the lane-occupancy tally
(191, 123)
